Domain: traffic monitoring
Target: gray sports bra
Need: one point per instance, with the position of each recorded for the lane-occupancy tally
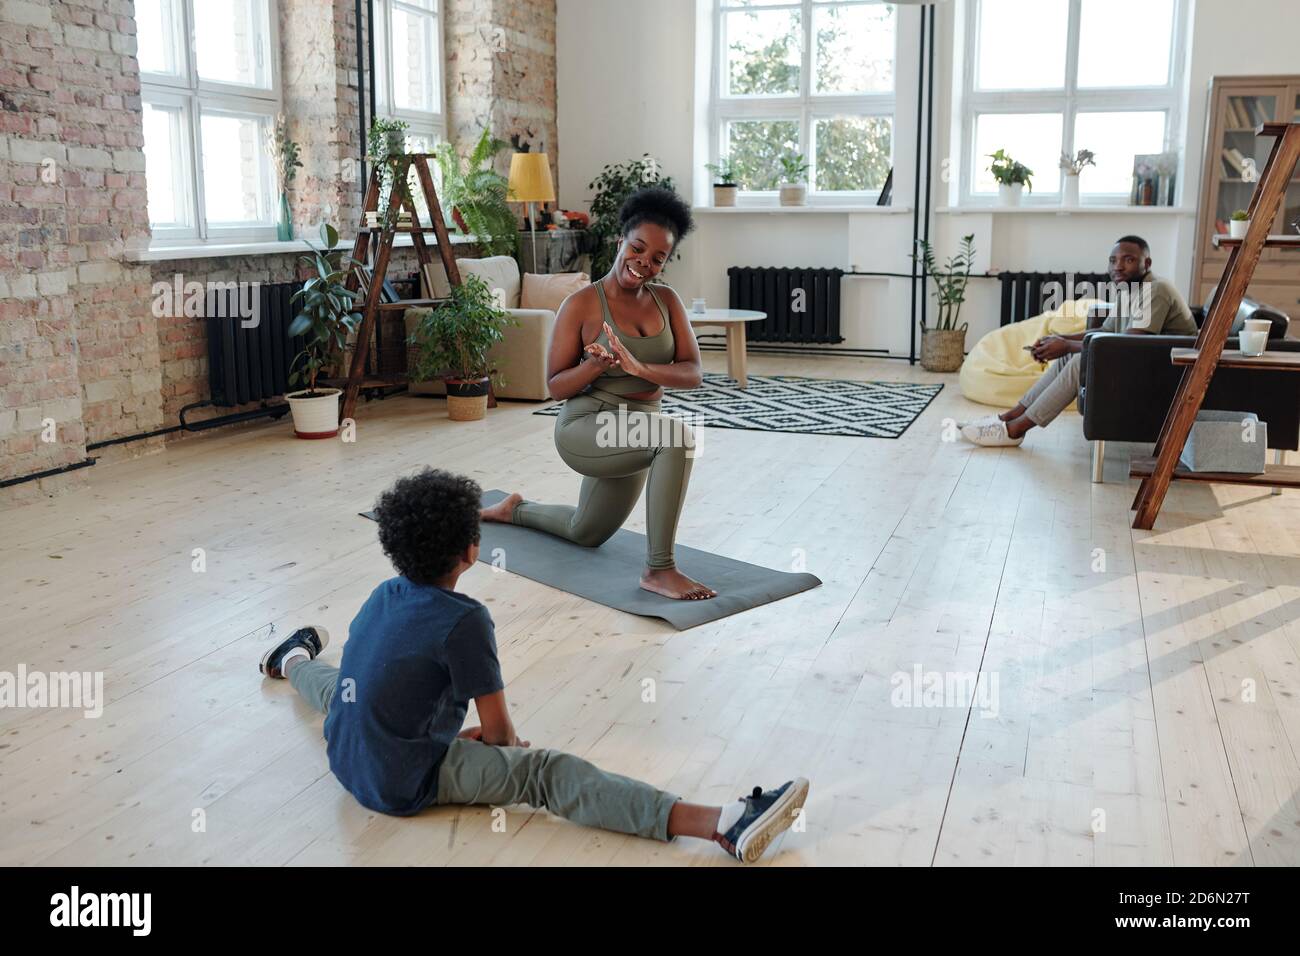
(657, 349)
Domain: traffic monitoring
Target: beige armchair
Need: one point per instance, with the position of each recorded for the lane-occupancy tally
(520, 358)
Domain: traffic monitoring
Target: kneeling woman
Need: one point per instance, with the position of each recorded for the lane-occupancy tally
(616, 344)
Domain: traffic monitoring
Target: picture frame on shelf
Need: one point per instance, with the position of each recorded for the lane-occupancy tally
(1155, 179)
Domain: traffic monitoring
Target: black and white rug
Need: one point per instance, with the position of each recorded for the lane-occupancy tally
(791, 403)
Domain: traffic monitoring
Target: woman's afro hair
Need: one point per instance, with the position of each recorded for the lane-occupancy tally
(427, 521)
(661, 206)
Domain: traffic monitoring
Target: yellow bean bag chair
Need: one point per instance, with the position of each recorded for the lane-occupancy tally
(998, 370)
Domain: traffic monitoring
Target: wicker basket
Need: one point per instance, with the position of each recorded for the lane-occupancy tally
(466, 399)
(942, 350)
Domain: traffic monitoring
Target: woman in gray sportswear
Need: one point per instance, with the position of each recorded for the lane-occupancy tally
(615, 346)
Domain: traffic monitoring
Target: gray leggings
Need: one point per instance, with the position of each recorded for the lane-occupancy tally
(618, 447)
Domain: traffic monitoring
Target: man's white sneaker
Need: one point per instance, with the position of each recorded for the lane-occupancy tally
(990, 434)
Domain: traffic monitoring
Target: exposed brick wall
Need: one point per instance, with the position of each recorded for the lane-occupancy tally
(501, 72)
(79, 342)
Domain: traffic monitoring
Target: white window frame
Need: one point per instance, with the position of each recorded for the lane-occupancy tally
(420, 123)
(805, 108)
(1068, 100)
(194, 96)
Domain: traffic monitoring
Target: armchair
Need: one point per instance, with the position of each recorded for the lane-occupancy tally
(1127, 384)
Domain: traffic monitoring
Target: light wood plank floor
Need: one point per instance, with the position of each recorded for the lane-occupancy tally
(1138, 695)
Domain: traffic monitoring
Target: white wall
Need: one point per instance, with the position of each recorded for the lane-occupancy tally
(626, 85)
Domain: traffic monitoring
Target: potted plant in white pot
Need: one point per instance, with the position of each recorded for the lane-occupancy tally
(1072, 168)
(1238, 224)
(943, 344)
(452, 342)
(794, 180)
(725, 186)
(328, 314)
(1012, 177)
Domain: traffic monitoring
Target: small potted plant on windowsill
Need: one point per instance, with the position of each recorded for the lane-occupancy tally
(1012, 177)
(1238, 224)
(794, 180)
(725, 186)
(1072, 168)
(328, 314)
(452, 341)
(943, 345)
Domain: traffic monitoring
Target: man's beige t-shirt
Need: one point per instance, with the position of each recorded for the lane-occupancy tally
(1154, 306)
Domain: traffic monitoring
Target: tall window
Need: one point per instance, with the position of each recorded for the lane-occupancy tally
(1045, 77)
(210, 87)
(408, 58)
(808, 77)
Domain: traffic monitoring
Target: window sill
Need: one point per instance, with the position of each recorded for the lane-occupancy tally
(1066, 210)
(212, 250)
(775, 210)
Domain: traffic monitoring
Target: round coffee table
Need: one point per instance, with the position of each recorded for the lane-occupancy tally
(733, 320)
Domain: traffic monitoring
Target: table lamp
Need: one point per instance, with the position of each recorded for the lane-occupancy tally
(530, 182)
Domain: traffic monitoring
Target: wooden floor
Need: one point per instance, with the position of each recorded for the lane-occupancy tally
(1139, 695)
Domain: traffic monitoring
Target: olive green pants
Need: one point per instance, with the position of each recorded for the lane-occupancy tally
(618, 448)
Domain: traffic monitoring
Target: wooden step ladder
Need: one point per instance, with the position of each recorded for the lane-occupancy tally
(1157, 472)
(397, 199)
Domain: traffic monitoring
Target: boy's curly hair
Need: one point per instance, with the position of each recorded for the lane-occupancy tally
(426, 521)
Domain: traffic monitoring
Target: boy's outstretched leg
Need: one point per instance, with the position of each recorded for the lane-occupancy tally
(473, 772)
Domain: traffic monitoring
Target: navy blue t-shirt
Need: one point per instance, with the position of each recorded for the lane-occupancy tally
(416, 656)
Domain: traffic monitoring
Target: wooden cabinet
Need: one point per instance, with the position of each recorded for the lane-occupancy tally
(1234, 158)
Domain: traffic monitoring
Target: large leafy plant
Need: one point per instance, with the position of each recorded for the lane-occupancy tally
(615, 183)
(949, 282)
(478, 192)
(328, 309)
(453, 339)
(1008, 171)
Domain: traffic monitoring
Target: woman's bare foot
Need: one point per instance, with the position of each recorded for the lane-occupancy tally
(502, 510)
(673, 584)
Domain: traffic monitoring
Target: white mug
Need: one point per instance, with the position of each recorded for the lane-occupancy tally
(697, 306)
(1253, 342)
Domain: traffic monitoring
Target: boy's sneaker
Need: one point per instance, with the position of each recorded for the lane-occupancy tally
(993, 434)
(306, 641)
(760, 818)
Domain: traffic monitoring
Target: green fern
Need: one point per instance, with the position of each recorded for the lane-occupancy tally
(472, 186)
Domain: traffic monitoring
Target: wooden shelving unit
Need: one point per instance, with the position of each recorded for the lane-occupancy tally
(1237, 109)
(1199, 363)
(358, 378)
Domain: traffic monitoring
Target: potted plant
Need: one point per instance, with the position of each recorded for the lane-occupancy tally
(452, 342)
(1012, 177)
(476, 195)
(1072, 168)
(1238, 224)
(328, 313)
(794, 181)
(943, 344)
(284, 153)
(385, 147)
(615, 183)
(725, 186)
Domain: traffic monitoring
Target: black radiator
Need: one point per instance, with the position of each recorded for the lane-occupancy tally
(802, 305)
(1024, 294)
(250, 364)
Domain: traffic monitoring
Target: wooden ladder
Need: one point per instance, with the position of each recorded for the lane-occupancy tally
(401, 166)
(1157, 472)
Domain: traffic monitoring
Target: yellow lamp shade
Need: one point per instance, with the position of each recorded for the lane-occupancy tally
(530, 178)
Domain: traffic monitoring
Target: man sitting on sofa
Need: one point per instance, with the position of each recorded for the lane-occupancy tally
(1156, 307)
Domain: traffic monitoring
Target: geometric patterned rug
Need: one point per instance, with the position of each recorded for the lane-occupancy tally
(791, 403)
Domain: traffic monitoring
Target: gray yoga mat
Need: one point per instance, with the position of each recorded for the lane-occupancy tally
(608, 575)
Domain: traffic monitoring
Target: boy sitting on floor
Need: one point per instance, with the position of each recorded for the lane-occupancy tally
(419, 651)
